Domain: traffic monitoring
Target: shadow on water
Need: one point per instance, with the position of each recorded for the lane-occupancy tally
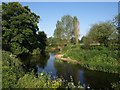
(30, 62)
(96, 80)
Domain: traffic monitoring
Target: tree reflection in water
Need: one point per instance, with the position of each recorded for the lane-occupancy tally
(96, 80)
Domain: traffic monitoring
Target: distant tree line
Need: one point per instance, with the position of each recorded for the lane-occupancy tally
(104, 33)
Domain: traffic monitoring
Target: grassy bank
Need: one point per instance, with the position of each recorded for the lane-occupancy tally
(100, 58)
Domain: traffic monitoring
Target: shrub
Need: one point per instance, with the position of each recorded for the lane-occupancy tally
(43, 81)
(116, 86)
(36, 51)
(11, 70)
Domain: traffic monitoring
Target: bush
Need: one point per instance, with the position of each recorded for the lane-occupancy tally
(14, 77)
(36, 51)
(116, 86)
(11, 70)
(43, 81)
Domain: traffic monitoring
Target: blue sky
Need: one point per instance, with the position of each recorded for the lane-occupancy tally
(88, 13)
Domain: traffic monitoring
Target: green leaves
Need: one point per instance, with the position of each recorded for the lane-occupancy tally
(102, 33)
(65, 28)
(43, 81)
(20, 29)
(101, 59)
(11, 70)
(76, 29)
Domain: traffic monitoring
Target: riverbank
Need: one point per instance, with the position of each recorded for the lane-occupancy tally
(99, 59)
(60, 57)
(14, 76)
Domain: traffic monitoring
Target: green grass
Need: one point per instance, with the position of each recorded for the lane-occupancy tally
(102, 59)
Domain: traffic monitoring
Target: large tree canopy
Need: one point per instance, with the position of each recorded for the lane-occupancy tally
(19, 28)
(104, 33)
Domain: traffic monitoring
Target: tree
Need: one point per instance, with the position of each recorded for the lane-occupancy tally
(42, 40)
(116, 22)
(102, 33)
(11, 70)
(59, 31)
(67, 21)
(76, 29)
(82, 39)
(67, 29)
(19, 28)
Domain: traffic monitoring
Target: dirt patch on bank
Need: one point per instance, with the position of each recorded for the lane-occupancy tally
(60, 57)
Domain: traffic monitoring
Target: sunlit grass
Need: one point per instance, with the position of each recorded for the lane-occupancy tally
(102, 60)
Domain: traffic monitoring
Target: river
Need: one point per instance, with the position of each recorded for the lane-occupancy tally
(94, 79)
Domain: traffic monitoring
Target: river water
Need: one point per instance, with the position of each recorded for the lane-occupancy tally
(94, 79)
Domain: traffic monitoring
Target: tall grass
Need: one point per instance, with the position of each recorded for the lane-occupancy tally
(101, 59)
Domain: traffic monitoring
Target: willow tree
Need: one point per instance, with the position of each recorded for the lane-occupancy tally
(76, 29)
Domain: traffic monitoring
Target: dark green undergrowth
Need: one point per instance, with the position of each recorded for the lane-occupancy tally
(100, 58)
(13, 76)
(116, 86)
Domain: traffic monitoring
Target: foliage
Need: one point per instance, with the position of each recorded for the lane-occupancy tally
(13, 76)
(104, 33)
(116, 22)
(36, 51)
(42, 38)
(0, 17)
(76, 29)
(43, 81)
(58, 33)
(0, 46)
(102, 59)
(11, 70)
(0, 74)
(67, 28)
(116, 86)
(19, 34)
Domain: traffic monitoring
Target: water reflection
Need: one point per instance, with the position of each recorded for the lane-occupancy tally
(81, 75)
(96, 80)
(100, 79)
(66, 70)
(34, 62)
(49, 68)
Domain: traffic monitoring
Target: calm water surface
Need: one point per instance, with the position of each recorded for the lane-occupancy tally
(96, 80)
